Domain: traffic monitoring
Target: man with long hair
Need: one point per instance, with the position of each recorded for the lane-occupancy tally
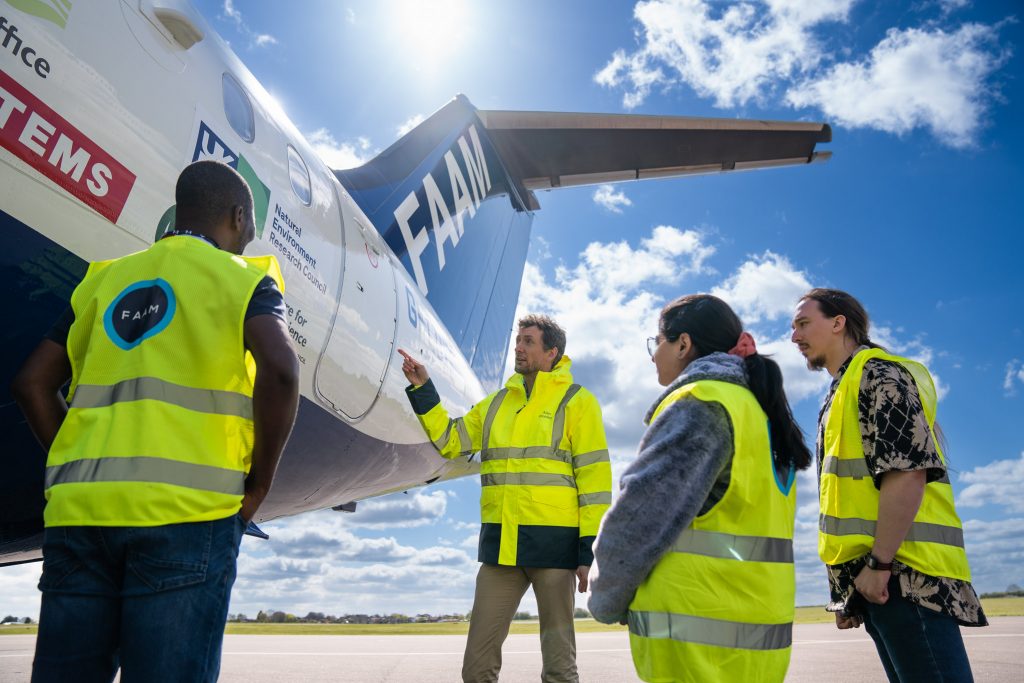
(888, 529)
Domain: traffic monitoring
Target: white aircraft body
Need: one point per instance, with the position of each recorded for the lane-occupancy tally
(103, 103)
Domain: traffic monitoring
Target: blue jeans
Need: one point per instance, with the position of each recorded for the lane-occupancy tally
(916, 643)
(152, 600)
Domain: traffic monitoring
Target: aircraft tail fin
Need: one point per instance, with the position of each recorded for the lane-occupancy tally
(454, 197)
(446, 205)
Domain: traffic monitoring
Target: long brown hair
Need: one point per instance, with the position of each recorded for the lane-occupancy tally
(833, 302)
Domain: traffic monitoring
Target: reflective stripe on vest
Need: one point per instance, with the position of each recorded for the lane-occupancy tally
(150, 388)
(733, 547)
(157, 470)
(159, 428)
(690, 629)
(719, 605)
(527, 452)
(544, 452)
(591, 458)
(492, 412)
(919, 531)
(558, 424)
(526, 479)
(857, 468)
(600, 498)
(849, 499)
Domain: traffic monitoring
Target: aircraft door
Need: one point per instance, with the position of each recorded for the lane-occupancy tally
(352, 367)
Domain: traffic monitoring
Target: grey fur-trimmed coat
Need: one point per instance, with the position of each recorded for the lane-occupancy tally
(681, 471)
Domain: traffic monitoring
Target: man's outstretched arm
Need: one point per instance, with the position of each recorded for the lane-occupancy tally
(451, 436)
(275, 399)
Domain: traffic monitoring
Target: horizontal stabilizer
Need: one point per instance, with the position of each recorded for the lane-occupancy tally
(545, 150)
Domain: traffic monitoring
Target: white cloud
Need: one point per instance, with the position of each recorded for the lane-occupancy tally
(409, 124)
(607, 305)
(950, 6)
(765, 50)
(765, 287)
(997, 483)
(339, 155)
(799, 382)
(995, 550)
(913, 78)
(1014, 374)
(606, 196)
(730, 53)
(327, 562)
(401, 510)
(20, 595)
(350, 15)
(229, 12)
(914, 349)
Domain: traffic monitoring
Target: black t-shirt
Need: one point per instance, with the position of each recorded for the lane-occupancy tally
(266, 300)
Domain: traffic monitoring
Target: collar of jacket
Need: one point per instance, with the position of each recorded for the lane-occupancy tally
(544, 381)
(718, 366)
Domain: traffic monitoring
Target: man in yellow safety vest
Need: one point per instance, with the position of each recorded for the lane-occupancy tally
(888, 529)
(545, 483)
(184, 388)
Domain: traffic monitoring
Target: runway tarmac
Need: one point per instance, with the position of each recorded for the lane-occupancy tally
(820, 652)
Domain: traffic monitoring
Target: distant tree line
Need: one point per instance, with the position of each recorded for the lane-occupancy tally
(280, 617)
(272, 616)
(9, 619)
(1012, 591)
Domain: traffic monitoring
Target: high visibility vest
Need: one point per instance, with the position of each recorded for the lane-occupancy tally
(848, 497)
(545, 473)
(718, 606)
(159, 428)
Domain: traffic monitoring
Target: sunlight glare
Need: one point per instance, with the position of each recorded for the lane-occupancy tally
(430, 33)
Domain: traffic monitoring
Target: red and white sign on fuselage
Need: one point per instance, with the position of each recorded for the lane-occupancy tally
(47, 142)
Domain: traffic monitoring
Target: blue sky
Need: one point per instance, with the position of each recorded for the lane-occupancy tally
(918, 214)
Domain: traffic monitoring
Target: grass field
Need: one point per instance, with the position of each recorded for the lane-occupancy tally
(994, 607)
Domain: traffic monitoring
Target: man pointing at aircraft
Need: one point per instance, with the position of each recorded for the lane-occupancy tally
(546, 483)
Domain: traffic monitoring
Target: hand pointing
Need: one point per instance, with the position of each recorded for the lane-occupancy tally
(414, 371)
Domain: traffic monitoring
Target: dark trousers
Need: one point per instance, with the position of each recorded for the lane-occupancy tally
(916, 643)
(149, 600)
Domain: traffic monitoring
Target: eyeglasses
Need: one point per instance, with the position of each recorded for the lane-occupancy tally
(652, 344)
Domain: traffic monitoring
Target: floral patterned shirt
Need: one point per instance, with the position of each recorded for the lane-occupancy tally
(896, 437)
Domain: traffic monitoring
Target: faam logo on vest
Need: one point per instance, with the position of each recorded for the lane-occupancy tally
(141, 311)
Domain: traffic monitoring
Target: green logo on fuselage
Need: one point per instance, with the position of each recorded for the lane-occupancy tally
(54, 11)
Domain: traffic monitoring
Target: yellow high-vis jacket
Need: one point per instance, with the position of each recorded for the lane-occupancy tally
(719, 605)
(159, 428)
(849, 499)
(544, 470)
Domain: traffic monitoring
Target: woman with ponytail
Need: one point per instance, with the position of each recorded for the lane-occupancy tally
(696, 554)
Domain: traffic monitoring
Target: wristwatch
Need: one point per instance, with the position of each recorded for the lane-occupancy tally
(874, 563)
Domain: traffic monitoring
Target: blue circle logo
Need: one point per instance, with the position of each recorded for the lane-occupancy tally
(141, 311)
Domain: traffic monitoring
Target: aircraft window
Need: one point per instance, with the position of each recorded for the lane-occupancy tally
(299, 175)
(238, 109)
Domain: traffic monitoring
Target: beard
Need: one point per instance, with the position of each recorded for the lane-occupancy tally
(816, 364)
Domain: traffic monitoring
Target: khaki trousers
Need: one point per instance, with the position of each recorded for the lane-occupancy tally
(499, 590)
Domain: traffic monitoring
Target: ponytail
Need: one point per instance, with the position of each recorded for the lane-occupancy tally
(787, 439)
